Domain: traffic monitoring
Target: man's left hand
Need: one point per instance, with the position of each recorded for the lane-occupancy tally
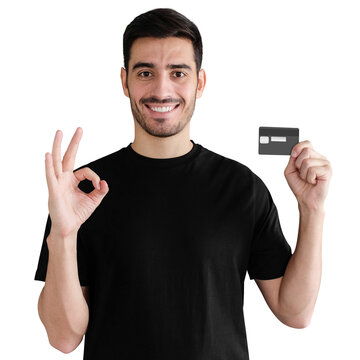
(308, 175)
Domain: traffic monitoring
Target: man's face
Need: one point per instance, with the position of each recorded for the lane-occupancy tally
(162, 84)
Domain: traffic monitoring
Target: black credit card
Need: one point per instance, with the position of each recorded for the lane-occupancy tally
(277, 140)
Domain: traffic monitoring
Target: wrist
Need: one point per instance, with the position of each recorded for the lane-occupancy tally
(316, 211)
(55, 241)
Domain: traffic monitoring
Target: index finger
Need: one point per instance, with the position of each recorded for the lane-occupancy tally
(70, 154)
(296, 150)
(299, 147)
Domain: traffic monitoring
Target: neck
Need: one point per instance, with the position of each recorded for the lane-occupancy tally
(162, 147)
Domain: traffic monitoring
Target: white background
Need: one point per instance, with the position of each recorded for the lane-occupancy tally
(268, 63)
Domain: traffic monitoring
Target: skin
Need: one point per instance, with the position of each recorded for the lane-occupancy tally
(291, 297)
(166, 77)
(63, 303)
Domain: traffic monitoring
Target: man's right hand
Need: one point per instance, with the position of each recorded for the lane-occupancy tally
(69, 207)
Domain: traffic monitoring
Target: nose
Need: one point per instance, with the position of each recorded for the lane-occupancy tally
(162, 86)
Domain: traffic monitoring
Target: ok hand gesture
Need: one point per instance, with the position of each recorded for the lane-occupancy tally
(69, 207)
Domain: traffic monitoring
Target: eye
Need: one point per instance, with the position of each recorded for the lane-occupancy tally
(179, 74)
(145, 74)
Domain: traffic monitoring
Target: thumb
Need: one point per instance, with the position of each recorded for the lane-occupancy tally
(290, 168)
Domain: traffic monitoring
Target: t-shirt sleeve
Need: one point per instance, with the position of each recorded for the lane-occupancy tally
(82, 262)
(270, 252)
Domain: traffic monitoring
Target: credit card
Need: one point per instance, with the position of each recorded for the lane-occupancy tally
(277, 140)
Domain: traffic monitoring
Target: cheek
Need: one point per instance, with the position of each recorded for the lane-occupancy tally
(137, 93)
(188, 92)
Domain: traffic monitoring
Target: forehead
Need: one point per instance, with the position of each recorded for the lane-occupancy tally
(162, 51)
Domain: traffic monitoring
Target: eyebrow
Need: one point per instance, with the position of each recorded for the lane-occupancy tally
(169, 66)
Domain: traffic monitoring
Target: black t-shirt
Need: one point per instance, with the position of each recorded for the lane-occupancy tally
(166, 253)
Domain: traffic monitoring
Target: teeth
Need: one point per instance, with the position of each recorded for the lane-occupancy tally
(162, 109)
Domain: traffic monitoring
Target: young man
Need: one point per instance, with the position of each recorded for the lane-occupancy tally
(150, 261)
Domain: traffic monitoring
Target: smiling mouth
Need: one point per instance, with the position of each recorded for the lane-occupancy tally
(162, 109)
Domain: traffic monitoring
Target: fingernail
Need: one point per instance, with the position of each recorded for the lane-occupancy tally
(294, 153)
(98, 185)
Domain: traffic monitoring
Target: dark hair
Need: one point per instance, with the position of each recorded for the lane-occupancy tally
(162, 23)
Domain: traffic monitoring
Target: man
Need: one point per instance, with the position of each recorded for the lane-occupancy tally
(148, 256)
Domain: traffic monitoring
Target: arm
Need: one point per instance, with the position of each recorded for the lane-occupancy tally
(292, 297)
(62, 305)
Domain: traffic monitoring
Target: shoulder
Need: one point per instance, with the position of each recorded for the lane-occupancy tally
(231, 166)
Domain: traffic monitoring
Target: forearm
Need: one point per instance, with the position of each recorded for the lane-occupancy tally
(62, 306)
(301, 282)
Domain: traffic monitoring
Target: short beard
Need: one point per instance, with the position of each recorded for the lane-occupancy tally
(162, 131)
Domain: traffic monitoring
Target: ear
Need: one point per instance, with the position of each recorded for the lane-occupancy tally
(201, 83)
(123, 76)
